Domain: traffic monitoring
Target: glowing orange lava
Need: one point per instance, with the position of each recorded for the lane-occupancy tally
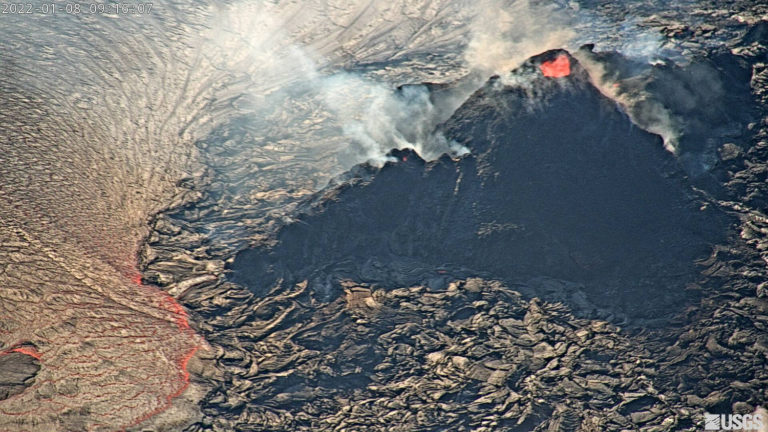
(166, 302)
(30, 351)
(185, 380)
(27, 351)
(557, 68)
(170, 304)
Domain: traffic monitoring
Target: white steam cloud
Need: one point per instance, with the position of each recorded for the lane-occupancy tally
(506, 33)
(378, 119)
(272, 69)
(297, 90)
(644, 111)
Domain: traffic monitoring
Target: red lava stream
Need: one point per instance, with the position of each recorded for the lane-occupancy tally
(170, 304)
(120, 354)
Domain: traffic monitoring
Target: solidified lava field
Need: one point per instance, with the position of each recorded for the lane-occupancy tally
(508, 215)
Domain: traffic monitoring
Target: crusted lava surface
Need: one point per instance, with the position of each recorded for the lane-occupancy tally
(559, 183)
(592, 257)
(568, 273)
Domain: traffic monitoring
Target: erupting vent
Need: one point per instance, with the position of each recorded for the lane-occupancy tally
(557, 68)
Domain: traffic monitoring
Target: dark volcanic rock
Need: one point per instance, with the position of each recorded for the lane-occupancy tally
(17, 370)
(559, 183)
(707, 101)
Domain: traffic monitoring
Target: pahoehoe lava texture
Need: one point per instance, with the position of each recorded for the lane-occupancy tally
(83, 166)
(559, 183)
(386, 339)
(455, 314)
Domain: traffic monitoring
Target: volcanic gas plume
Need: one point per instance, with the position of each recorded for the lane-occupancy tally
(367, 215)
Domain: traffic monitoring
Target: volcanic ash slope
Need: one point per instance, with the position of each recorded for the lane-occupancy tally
(559, 183)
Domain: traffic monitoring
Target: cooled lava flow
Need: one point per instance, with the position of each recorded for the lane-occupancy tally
(85, 165)
(18, 367)
(105, 344)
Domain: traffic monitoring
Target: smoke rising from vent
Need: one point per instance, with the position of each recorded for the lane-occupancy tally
(271, 70)
(378, 119)
(644, 111)
(254, 47)
(505, 34)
